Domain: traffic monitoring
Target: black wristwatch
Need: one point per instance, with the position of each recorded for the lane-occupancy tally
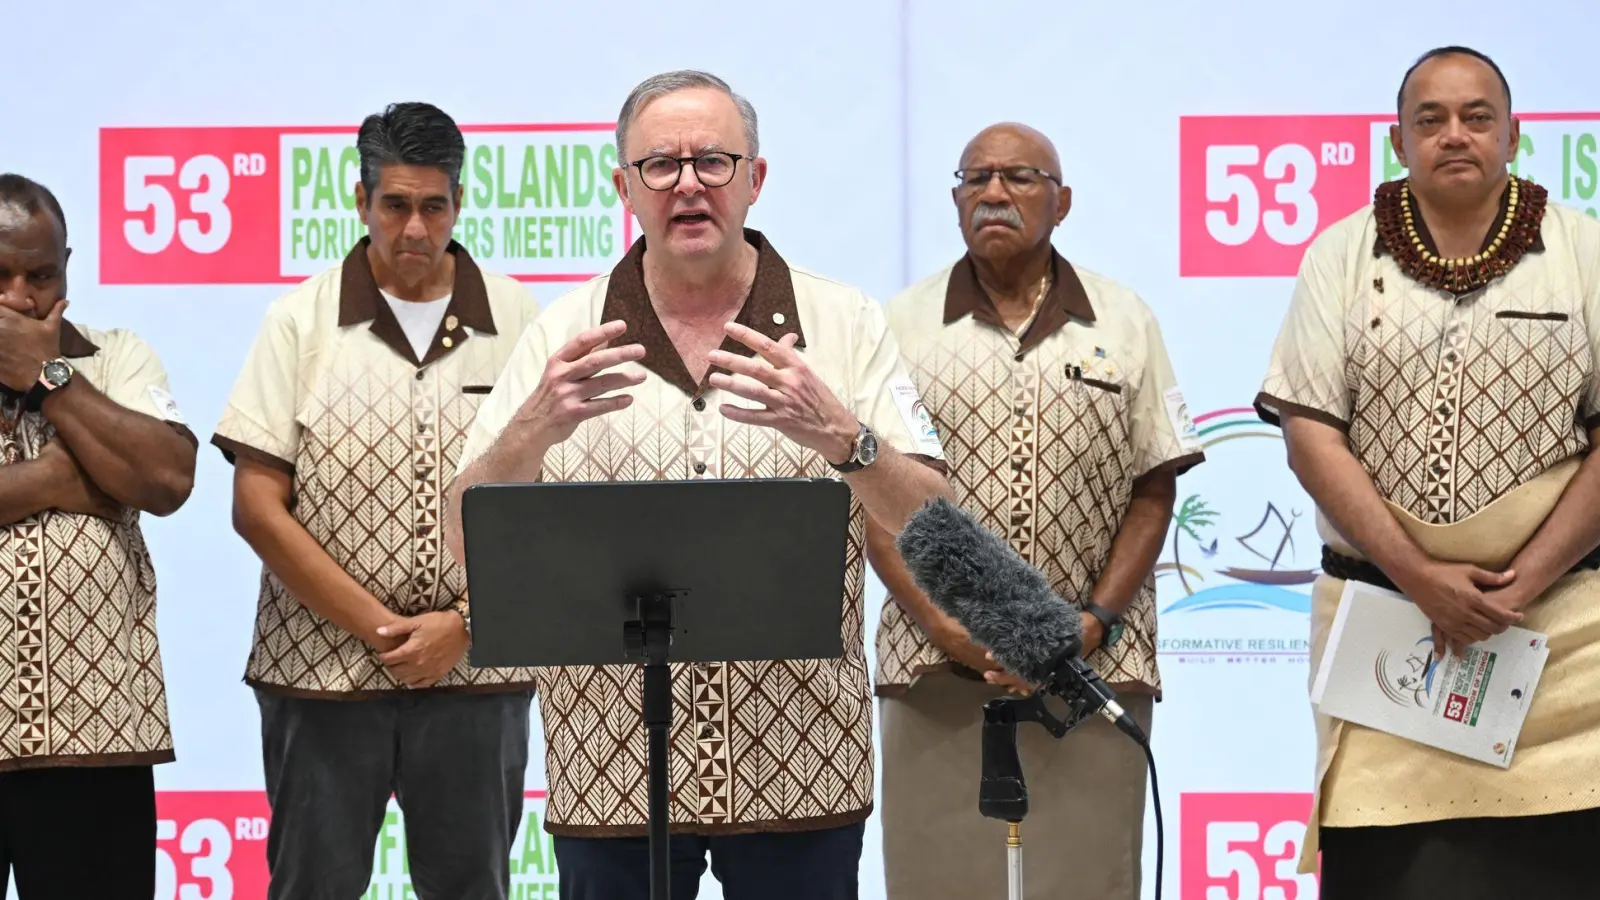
(1110, 622)
(53, 376)
(863, 453)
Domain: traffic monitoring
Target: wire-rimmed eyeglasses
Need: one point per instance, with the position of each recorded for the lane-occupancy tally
(1022, 178)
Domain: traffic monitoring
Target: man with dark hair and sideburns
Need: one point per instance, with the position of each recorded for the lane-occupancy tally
(347, 418)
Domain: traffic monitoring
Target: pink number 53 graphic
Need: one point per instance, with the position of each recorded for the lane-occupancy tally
(1243, 847)
(1254, 190)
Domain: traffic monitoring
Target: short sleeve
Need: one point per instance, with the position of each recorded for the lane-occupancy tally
(136, 380)
(259, 420)
(1163, 432)
(886, 399)
(1306, 373)
(516, 383)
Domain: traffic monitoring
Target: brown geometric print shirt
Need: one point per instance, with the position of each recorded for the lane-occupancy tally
(1448, 402)
(754, 746)
(80, 667)
(333, 394)
(1044, 435)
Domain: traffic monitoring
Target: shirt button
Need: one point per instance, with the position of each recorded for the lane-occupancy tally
(699, 468)
(708, 730)
(421, 374)
(699, 404)
(1018, 357)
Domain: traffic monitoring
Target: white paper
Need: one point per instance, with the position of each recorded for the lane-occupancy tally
(1378, 670)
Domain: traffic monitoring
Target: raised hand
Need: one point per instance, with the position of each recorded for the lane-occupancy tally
(26, 344)
(574, 378)
(796, 401)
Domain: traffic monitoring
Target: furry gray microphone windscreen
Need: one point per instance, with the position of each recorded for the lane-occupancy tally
(977, 579)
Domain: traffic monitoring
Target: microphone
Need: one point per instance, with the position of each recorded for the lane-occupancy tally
(1007, 606)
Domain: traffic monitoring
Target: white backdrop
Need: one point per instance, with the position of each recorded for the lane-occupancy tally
(864, 107)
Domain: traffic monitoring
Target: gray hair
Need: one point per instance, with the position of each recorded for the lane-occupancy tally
(658, 86)
(410, 134)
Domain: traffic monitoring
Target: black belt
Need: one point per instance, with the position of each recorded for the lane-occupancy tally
(1348, 568)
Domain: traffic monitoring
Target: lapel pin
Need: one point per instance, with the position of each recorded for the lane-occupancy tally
(450, 323)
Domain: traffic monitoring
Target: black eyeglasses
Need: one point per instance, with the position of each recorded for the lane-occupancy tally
(1022, 178)
(662, 173)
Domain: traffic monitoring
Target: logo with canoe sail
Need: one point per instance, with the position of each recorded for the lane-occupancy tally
(1244, 542)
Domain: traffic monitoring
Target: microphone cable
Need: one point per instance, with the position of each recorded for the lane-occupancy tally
(1155, 796)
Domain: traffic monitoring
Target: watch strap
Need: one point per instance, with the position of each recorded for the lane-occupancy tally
(853, 462)
(34, 398)
(1108, 619)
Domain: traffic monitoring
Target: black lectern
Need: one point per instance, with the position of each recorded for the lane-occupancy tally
(655, 572)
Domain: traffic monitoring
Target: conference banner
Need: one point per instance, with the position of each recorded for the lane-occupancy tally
(264, 205)
(212, 845)
(1254, 190)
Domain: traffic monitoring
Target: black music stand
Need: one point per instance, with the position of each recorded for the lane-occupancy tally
(656, 573)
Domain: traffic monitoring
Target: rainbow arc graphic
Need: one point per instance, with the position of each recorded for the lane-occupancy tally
(1260, 588)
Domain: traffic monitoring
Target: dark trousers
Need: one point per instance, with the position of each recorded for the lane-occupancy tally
(454, 762)
(70, 833)
(1543, 857)
(802, 865)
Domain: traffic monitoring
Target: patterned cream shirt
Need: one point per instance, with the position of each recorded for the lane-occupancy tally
(754, 746)
(1448, 402)
(1045, 435)
(332, 393)
(79, 662)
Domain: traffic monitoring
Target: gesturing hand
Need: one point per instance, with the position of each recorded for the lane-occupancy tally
(433, 643)
(572, 381)
(26, 344)
(1451, 595)
(796, 401)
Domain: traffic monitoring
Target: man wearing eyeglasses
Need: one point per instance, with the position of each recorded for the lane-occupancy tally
(705, 354)
(1064, 431)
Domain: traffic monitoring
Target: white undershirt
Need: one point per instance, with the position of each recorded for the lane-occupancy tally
(419, 320)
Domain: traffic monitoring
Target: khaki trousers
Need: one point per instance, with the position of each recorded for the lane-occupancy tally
(1084, 832)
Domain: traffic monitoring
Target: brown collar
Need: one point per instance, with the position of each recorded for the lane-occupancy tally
(1067, 298)
(74, 343)
(770, 309)
(361, 301)
(1525, 236)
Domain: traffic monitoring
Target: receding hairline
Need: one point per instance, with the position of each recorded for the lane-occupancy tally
(1028, 133)
(666, 84)
(650, 101)
(15, 215)
(1453, 53)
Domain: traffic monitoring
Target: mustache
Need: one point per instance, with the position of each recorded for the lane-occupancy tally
(987, 213)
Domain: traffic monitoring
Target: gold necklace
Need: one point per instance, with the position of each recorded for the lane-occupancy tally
(1488, 252)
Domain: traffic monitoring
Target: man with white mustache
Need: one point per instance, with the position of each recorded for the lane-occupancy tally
(1064, 430)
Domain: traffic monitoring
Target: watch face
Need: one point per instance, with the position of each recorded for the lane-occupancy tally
(869, 448)
(57, 373)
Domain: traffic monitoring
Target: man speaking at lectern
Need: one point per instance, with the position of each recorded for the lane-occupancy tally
(716, 359)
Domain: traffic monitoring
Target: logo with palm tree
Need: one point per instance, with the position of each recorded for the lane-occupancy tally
(1268, 579)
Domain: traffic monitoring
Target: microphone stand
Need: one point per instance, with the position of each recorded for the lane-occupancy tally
(1002, 790)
